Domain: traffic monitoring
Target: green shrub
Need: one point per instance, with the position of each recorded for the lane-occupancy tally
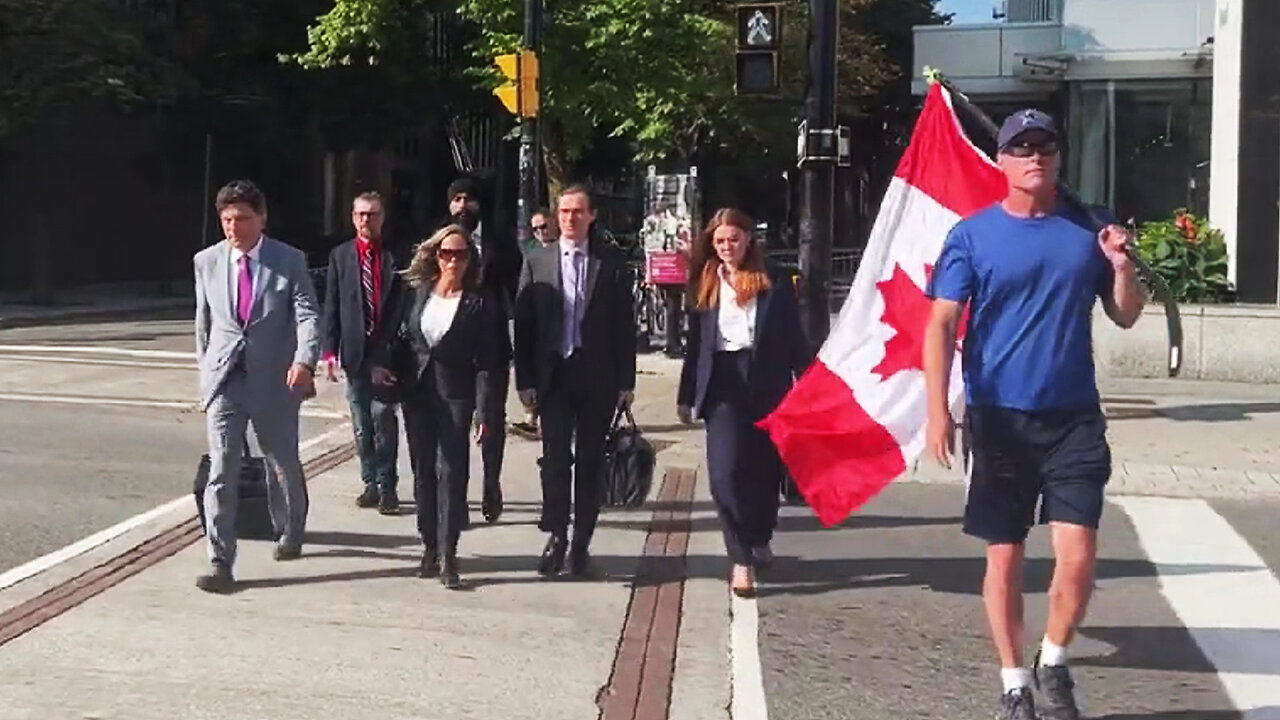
(1189, 255)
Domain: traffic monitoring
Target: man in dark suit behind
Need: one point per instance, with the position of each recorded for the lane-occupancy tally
(499, 263)
(575, 357)
(362, 290)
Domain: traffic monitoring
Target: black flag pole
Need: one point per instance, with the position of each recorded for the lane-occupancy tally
(1173, 319)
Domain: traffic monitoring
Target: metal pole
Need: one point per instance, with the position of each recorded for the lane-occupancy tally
(819, 169)
(528, 200)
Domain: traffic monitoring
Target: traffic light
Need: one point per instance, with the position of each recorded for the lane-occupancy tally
(520, 92)
(759, 42)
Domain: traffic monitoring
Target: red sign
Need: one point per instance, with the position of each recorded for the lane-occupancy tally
(666, 268)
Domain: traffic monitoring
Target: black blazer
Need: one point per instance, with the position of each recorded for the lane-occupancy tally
(466, 365)
(342, 322)
(608, 322)
(779, 355)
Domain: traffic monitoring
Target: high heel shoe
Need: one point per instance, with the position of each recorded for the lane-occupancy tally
(743, 581)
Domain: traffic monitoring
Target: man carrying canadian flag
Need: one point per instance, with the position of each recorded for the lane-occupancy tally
(987, 253)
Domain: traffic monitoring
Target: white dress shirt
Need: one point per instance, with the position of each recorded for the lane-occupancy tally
(254, 253)
(737, 322)
(437, 317)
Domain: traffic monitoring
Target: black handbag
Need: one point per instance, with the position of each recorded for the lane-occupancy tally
(629, 460)
(253, 511)
(402, 364)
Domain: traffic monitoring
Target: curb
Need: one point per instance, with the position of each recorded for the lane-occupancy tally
(72, 316)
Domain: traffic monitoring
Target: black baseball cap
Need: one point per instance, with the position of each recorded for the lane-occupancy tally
(1024, 121)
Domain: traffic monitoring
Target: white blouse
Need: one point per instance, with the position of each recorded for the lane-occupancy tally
(437, 317)
(737, 322)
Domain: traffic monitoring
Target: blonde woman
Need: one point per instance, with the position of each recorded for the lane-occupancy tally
(452, 345)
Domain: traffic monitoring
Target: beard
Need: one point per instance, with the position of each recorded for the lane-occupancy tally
(467, 219)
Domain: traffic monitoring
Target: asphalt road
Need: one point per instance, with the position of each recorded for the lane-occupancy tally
(884, 614)
(89, 439)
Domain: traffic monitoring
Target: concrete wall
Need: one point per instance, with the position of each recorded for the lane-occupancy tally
(1230, 343)
(1135, 26)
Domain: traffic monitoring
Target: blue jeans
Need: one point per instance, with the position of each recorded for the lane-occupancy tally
(377, 432)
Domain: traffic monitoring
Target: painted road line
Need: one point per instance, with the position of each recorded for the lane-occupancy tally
(100, 350)
(80, 547)
(144, 402)
(748, 681)
(102, 362)
(1230, 613)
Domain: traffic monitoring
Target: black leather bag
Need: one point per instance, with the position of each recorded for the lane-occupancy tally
(253, 513)
(628, 466)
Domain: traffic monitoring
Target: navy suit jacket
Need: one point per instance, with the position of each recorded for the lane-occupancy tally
(779, 356)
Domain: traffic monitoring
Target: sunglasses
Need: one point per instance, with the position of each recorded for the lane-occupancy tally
(539, 228)
(447, 254)
(1026, 150)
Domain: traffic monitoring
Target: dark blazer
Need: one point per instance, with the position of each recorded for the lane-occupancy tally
(608, 322)
(779, 355)
(466, 365)
(342, 323)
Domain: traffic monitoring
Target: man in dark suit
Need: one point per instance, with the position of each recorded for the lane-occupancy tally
(575, 356)
(362, 290)
(499, 262)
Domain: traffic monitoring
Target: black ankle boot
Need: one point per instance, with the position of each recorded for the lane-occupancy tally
(449, 573)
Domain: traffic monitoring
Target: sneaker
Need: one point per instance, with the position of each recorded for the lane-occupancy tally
(1017, 705)
(1058, 689)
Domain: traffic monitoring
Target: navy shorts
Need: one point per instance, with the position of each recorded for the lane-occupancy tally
(1058, 459)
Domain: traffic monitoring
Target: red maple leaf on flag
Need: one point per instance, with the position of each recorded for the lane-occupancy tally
(906, 310)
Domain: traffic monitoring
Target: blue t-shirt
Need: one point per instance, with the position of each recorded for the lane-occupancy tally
(1031, 284)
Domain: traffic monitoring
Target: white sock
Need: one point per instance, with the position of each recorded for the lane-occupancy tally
(1014, 678)
(1051, 654)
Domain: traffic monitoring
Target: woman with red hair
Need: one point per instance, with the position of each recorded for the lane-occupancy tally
(745, 349)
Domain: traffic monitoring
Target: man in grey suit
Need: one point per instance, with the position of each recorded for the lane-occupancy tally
(575, 357)
(257, 344)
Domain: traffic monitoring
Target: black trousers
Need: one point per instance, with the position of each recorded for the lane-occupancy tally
(575, 417)
(439, 430)
(745, 470)
(495, 439)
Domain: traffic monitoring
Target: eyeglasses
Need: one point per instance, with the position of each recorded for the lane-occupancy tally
(539, 228)
(447, 254)
(1026, 150)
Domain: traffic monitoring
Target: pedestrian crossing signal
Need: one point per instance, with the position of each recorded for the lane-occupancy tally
(759, 41)
(519, 94)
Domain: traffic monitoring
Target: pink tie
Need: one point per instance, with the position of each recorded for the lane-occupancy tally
(245, 293)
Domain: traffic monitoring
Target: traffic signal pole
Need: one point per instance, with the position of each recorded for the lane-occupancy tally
(529, 145)
(818, 165)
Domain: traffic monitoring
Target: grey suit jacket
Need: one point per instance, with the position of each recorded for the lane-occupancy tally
(608, 323)
(282, 329)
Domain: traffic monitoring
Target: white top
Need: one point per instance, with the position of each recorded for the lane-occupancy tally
(437, 317)
(737, 322)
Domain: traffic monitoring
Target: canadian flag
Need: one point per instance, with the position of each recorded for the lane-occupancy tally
(856, 419)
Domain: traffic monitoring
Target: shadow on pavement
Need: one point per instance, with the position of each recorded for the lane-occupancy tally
(1174, 649)
(786, 523)
(1266, 713)
(1213, 412)
(963, 576)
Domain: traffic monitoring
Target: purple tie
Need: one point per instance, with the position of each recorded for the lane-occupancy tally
(245, 293)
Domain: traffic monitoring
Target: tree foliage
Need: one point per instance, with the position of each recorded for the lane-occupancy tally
(55, 53)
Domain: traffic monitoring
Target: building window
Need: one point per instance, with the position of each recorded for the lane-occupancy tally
(1141, 147)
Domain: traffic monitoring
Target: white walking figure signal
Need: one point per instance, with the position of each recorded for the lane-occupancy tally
(758, 30)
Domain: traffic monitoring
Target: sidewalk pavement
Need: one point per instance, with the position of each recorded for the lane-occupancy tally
(349, 631)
